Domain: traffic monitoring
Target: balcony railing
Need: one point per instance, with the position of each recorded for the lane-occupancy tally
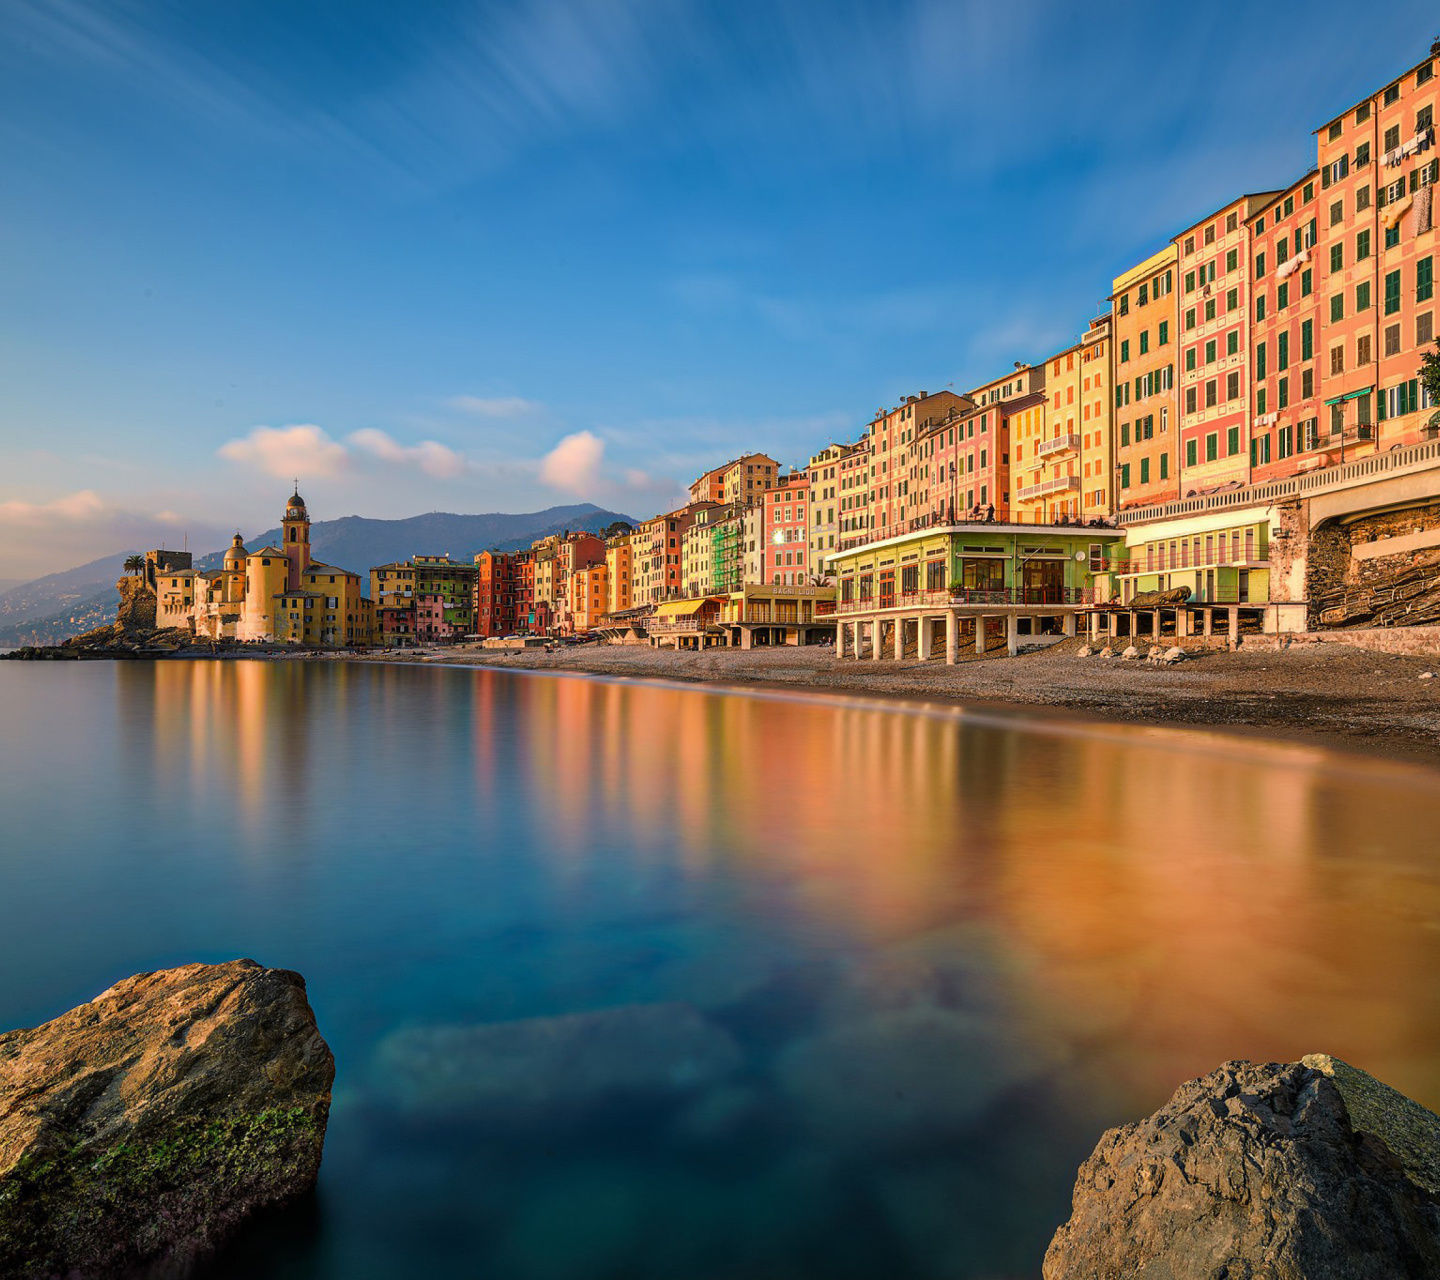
(1059, 444)
(1057, 484)
(971, 596)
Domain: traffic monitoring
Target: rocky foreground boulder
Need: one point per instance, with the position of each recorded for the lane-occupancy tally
(139, 1130)
(1308, 1170)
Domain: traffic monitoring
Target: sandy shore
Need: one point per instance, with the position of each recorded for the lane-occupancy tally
(1342, 697)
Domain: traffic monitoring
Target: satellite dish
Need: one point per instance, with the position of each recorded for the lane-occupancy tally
(1079, 555)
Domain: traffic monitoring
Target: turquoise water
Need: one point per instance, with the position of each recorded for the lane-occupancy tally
(861, 984)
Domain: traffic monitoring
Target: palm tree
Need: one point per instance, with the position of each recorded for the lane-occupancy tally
(135, 564)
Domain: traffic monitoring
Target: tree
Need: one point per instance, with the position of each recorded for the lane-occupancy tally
(135, 564)
(1430, 378)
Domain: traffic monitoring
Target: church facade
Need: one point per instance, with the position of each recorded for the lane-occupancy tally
(276, 595)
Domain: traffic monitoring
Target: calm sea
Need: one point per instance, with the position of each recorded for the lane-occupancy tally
(862, 983)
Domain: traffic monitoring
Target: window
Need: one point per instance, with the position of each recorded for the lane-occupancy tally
(1335, 130)
(1337, 257)
(1232, 300)
(1144, 296)
(1212, 446)
(1392, 96)
(1425, 279)
(1190, 458)
(1424, 118)
(1392, 137)
(1362, 155)
(1232, 386)
(1124, 304)
(1337, 308)
(1307, 383)
(1259, 306)
(1362, 113)
(1125, 475)
(1424, 73)
(1307, 340)
(1362, 349)
(1189, 359)
(1392, 340)
(1307, 283)
(1424, 328)
(1190, 318)
(1210, 234)
(1362, 296)
(1289, 206)
(1212, 393)
(1337, 360)
(1189, 399)
(1125, 351)
(1144, 470)
(1189, 282)
(1144, 341)
(1282, 394)
(1125, 434)
(1392, 236)
(1282, 351)
(1210, 351)
(1259, 265)
(1362, 246)
(1232, 441)
(1189, 245)
(1392, 293)
(1210, 309)
(1232, 343)
(1282, 296)
(1260, 401)
(1260, 360)
(1232, 260)
(1163, 336)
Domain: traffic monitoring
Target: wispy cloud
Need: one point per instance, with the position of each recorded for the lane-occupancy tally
(496, 407)
(432, 457)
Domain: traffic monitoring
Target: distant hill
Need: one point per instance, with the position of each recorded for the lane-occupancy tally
(65, 604)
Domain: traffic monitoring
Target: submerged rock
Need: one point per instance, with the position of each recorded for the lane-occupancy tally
(139, 1130)
(544, 1065)
(1283, 1171)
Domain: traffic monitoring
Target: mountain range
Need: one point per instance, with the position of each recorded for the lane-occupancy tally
(73, 601)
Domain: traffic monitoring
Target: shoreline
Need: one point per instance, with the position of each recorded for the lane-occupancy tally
(1336, 697)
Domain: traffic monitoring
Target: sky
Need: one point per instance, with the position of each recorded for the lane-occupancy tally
(498, 256)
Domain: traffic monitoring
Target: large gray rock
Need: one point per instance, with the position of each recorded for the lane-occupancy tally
(139, 1130)
(1300, 1171)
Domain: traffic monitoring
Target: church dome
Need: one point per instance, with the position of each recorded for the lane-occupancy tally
(296, 503)
(236, 553)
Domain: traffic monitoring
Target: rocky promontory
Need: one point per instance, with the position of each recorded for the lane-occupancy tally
(1310, 1170)
(139, 1130)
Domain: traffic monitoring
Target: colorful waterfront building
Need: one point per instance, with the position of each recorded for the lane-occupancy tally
(392, 592)
(897, 488)
(589, 596)
(620, 571)
(1287, 362)
(1376, 264)
(787, 532)
(1145, 319)
(824, 473)
(496, 594)
(741, 480)
(1216, 271)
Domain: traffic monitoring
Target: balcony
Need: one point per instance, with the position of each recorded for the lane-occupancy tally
(1057, 484)
(1060, 444)
(971, 596)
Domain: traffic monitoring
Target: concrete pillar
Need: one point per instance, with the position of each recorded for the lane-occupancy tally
(1182, 623)
(899, 639)
(1131, 620)
(952, 638)
(877, 632)
(1155, 626)
(1094, 627)
(923, 625)
(1069, 622)
(1234, 626)
(979, 633)
(1209, 616)
(1012, 633)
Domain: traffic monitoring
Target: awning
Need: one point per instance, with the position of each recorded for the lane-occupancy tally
(1397, 211)
(681, 608)
(1352, 395)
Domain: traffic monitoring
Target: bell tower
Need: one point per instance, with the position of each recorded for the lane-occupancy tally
(295, 530)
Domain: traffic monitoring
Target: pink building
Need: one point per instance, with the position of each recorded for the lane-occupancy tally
(787, 532)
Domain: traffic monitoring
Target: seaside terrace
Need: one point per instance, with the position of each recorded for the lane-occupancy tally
(970, 578)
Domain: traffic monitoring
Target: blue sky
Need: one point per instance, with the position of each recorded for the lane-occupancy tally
(495, 256)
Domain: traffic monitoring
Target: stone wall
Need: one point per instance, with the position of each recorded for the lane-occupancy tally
(137, 605)
(1354, 568)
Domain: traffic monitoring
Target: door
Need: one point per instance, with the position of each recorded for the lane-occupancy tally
(1044, 581)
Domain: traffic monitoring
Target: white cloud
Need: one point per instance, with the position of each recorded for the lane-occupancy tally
(432, 457)
(574, 464)
(497, 407)
(75, 508)
(302, 451)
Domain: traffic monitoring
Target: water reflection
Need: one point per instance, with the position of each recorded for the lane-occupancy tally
(631, 980)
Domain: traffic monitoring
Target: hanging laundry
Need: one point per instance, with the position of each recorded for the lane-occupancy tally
(1424, 200)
